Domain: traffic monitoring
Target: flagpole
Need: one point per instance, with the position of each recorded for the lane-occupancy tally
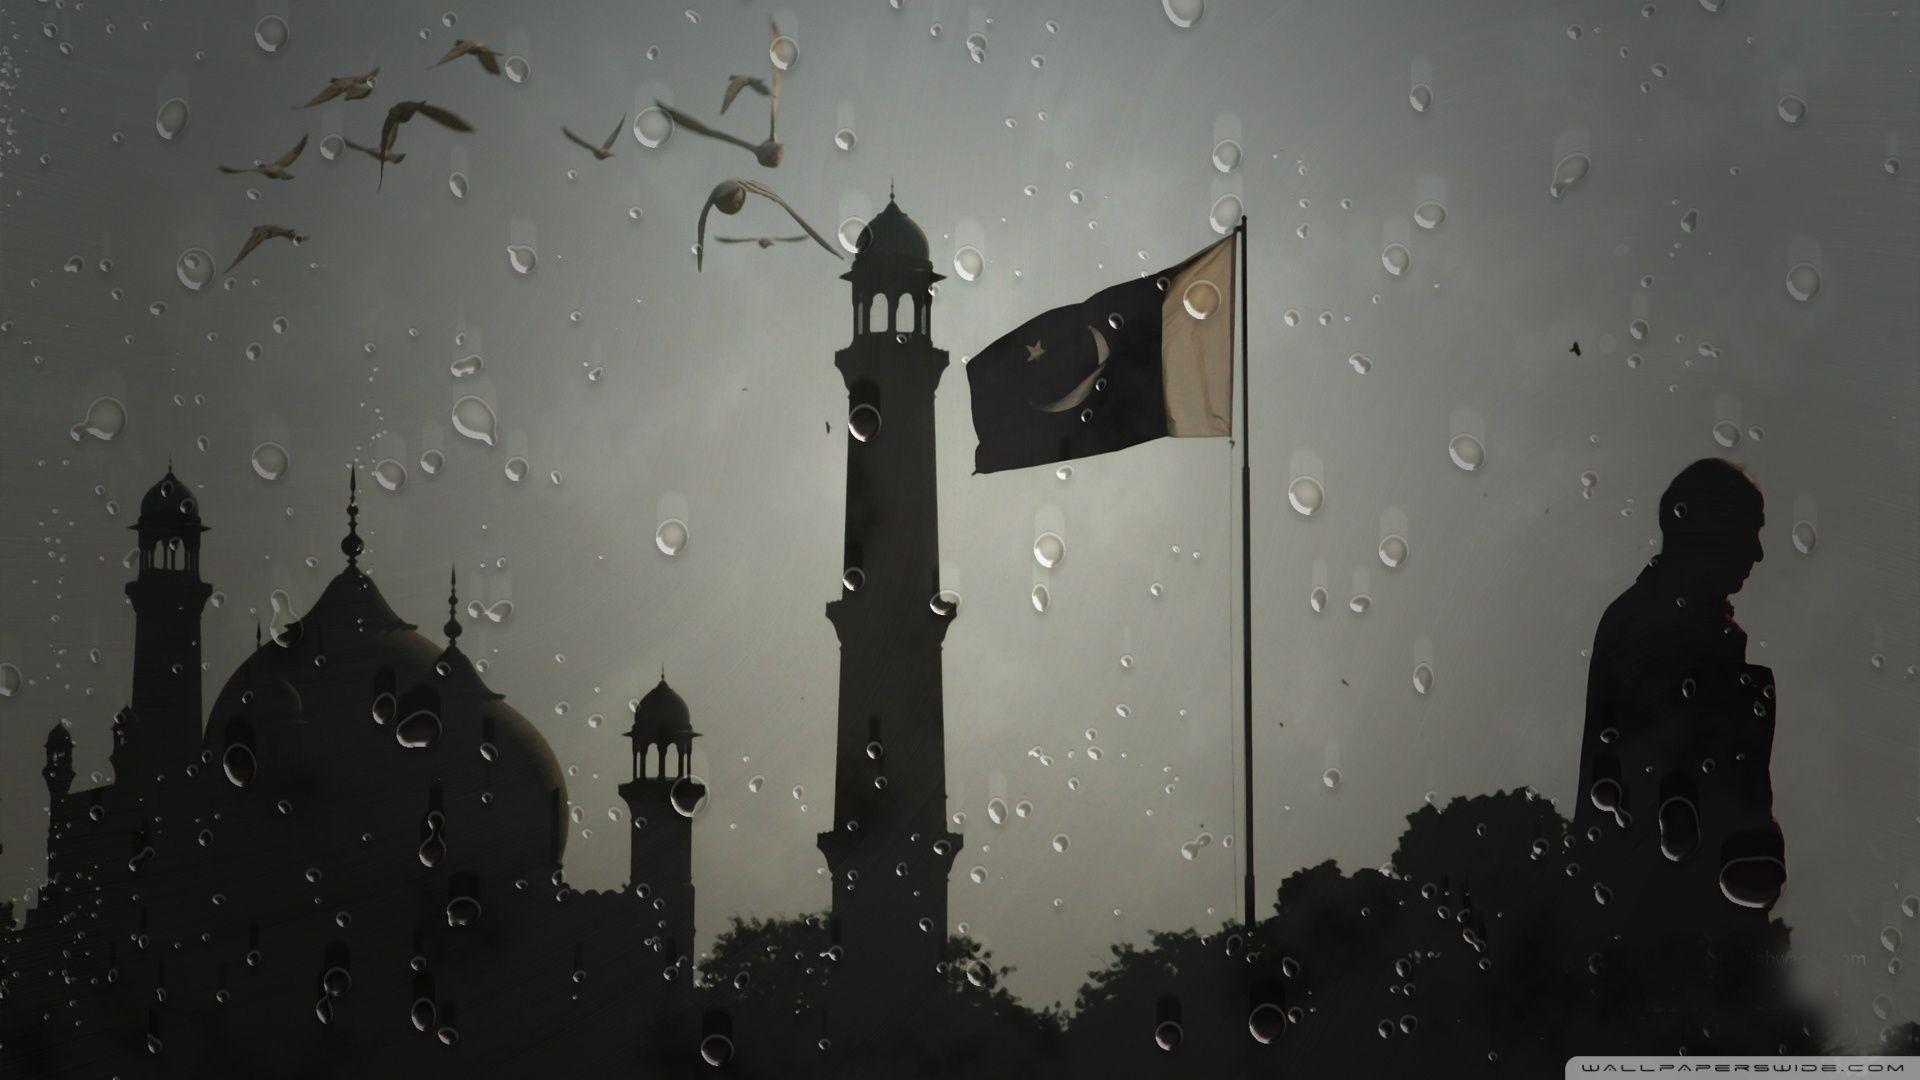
(1246, 575)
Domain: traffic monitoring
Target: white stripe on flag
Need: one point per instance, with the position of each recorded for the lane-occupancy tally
(1196, 344)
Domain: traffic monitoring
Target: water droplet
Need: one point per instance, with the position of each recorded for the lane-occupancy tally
(466, 365)
(671, 537)
(172, 118)
(457, 185)
(1804, 537)
(1041, 597)
(1467, 452)
(1422, 678)
(1393, 550)
(688, 795)
(270, 461)
(1420, 97)
(969, 263)
(1792, 108)
(194, 268)
(1396, 258)
(978, 875)
(1183, 13)
(1201, 300)
(516, 468)
(1331, 778)
(1359, 363)
(1803, 282)
(419, 730)
(474, 418)
(1305, 494)
(784, 52)
(864, 422)
(1726, 433)
(390, 474)
(977, 47)
(1429, 215)
(1049, 549)
(1690, 220)
(1317, 599)
(850, 232)
(1226, 155)
(1060, 841)
(1359, 603)
(106, 418)
(945, 603)
(1225, 214)
(516, 69)
(271, 34)
(519, 256)
(1569, 171)
(431, 462)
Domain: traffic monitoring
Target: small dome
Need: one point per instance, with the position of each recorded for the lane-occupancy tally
(169, 502)
(59, 738)
(662, 712)
(892, 236)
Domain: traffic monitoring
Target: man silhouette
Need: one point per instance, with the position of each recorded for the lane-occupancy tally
(1674, 783)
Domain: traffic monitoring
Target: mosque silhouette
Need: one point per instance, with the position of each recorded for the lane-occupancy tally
(355, 865)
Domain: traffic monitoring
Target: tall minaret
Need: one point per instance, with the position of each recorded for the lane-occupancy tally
(661, 799)
(167, 600)
(889, 852)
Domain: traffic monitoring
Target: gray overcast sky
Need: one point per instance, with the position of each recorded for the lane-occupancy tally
(716, 385)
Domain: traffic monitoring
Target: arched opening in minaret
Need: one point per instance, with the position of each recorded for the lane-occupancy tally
(893, 312)
(650, 762)
(671, 760)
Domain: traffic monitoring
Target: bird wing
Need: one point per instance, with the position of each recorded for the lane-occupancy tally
(444, 118)
(737, 83)
(773, 107)
(287, 158)
(390, 128)
(254, 239)
(230, 170)
(615, 133)
(488, 59)
(762, 189)
(700, 237)
(787, 239)
(368, 150)
(698, 128)
(738, 239)
(459, 49)
(575, 139)
(332, 91)
(369, 76)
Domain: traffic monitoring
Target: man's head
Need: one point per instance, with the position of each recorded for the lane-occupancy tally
(1710, 519)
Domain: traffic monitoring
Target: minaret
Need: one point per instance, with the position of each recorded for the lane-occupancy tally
(168, 597)
(889, 852)
(58, 771)
(661, 798)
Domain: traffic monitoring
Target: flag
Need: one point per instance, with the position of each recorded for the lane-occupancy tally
(1140, 360)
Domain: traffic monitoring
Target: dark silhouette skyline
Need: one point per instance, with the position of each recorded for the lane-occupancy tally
(357, 867)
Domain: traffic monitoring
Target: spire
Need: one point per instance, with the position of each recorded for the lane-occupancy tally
(453, 609)
(351, 544)
(889, 189)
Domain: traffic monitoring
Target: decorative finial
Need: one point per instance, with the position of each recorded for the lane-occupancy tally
(351, 544)
(663, 672)
(453, 609)
(889, 189)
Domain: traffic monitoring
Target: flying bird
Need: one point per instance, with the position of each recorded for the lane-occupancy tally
(352, 87)
(728, 196)
(391, 158)
(260, 235)
(405, 111)
(763, 241)
(605, 149)
(1576, 349)
(767, 153)
(737, 83)
(479, 51)
(272, 170)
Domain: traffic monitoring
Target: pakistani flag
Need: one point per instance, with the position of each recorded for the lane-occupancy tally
(1138, 361)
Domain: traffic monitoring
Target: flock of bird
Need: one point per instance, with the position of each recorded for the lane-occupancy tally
(729, 196)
